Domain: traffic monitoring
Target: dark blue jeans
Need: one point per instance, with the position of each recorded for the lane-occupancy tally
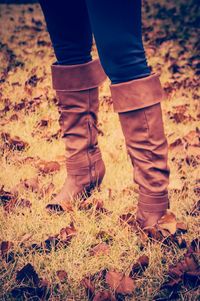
(116, 26)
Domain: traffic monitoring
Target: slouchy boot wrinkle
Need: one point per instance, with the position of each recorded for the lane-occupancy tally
(138, 104)
(77, 91)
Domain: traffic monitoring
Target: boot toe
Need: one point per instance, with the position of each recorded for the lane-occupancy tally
(148, 219)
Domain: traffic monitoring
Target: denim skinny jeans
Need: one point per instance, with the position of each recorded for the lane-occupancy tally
(116, 27)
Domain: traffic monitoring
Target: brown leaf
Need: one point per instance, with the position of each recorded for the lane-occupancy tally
(62, 275)
(104, 236)
(14, 117)
(5, 247)
(193, 137)
(32, 81)
(51, 243)
(31, 286)
(195, 246)
(128, 218)
(185, 270)
(168, 222)
(180, 241)
(181, 227)
(104, 296)
(100, 249)
(43, 122)
(139, 267)
(192, 155)
(27, 274)
(180, 114)
(119, 282)
(98, 204)
(177, 145)
(190, 262)
(89, 286)
(48, 167)
(66, 234)
(47, 189)
(14, 203)
(152, 232)
(28, 184)
(58, 209)
(32, 184)
(14, 143)
(6, 196)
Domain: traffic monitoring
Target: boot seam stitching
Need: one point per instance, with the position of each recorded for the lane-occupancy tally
(148, 135)
(89, 136)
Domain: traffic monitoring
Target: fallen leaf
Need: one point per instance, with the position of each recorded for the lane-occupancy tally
(66, 234)
(30, 285)
(28, 274)
(46, 189)
(5, 247)
(186, 270)
(100, 249)
(43, 122)
(32, 81)
(181, 227)
(128, 218)
(176, 145)
(32, 184)
(104, 296)
(195, 246)
(48, 167)
(104, 236)
(168, 222)
(14, 143)
(89, 286)
(14, 117)
(62, 275)
(193, 137)
(6, 196)
(27, 184)
(139, 267)
(54, 208)
(119, 282)
(15, 203)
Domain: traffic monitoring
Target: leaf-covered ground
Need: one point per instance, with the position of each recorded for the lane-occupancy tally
(93, 251)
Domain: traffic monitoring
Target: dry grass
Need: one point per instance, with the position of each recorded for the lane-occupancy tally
(118, 189)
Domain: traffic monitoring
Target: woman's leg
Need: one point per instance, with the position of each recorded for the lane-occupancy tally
(116, 26)
(75, 78)
(136, 95)
(69, 29)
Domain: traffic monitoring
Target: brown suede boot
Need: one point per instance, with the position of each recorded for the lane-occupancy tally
(77, 91)
(138, 105)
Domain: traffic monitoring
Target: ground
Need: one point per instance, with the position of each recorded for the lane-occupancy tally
(32, 168)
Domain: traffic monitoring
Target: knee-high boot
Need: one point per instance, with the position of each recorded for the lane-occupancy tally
(138, 103)
(77, 92)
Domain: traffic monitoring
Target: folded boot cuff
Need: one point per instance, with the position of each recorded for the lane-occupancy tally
(153, 203)
(77, 77)
(137, 93)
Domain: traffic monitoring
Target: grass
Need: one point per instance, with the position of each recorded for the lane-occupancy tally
(23, 56)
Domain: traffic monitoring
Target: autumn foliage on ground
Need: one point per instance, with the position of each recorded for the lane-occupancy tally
(95, 251)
